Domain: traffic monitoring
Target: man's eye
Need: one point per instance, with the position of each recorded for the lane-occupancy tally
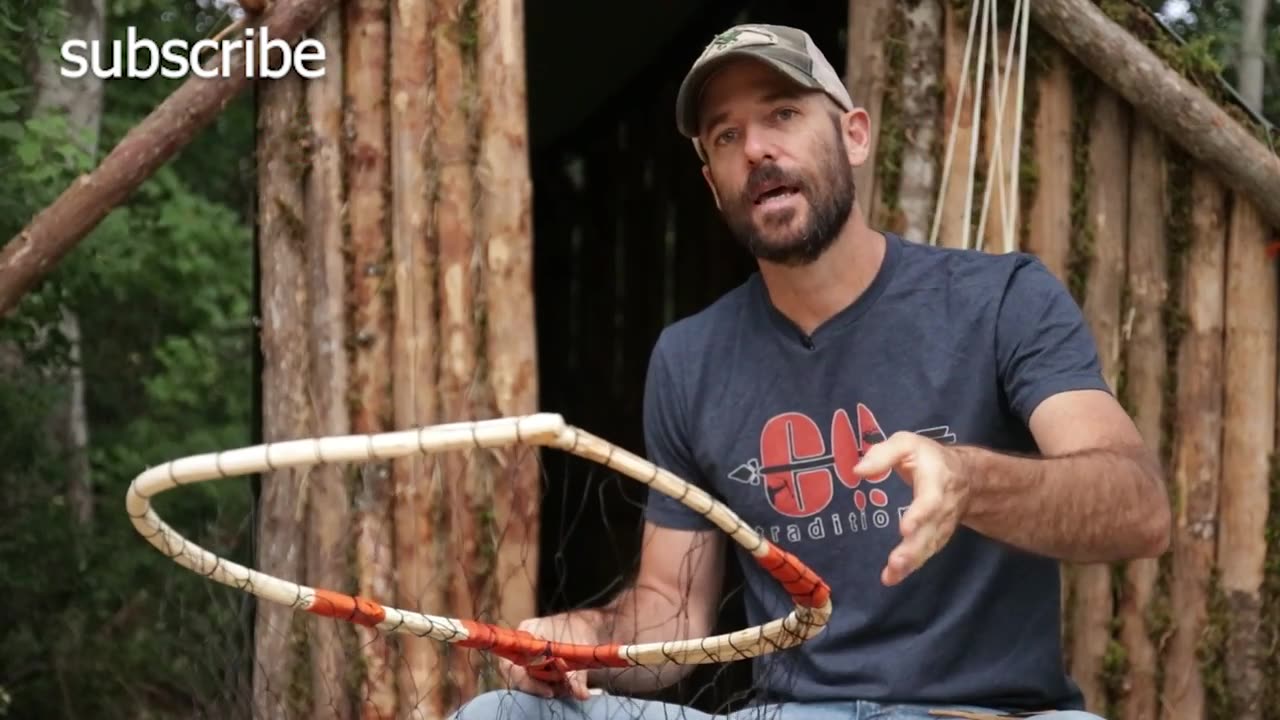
(785, 113)
(725, 137)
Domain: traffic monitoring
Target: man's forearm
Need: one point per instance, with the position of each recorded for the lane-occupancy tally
(1092, 506)
(641, 614)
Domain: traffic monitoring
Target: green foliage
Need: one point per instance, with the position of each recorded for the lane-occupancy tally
(1207, 49)
(1271, 598)
(100, 624)
(1080, 255)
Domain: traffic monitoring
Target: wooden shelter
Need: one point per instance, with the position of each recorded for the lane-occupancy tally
(429, 256)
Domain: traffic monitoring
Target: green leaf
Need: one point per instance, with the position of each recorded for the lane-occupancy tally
(11, 130)
(29, 152)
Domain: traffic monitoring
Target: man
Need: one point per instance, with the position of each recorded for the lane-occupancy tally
(967, 383)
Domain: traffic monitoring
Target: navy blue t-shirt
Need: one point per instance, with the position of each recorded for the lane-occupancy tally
(960, 346)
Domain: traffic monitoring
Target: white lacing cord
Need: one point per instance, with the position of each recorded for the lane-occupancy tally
(987, 29)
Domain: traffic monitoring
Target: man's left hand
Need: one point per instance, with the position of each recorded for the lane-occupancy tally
(941, 490)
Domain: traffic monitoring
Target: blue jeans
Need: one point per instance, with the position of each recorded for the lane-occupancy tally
(514, 705)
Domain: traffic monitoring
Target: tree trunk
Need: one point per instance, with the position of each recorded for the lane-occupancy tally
(866, 76)
(1197, 453)
(456, 90)
(420, 547)
(953, 223)
(54, 231)
(506, 204)
(918, 186)
(1049, 216)
(1107, 219)
(286, 408)
(1250, 363)
(79, 101)
(370, 286)
(1253, 43)
(1145, 377)
(1178, 108)
(329, 522)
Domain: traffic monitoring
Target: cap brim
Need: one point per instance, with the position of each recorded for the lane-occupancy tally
(690, 92)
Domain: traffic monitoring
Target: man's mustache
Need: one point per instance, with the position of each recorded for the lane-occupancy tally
(771, 174)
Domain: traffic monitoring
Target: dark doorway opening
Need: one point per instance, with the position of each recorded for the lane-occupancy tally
(627, 240)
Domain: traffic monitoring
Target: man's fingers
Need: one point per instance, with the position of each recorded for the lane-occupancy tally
(921, 533)
(578, 684)
(884, 456)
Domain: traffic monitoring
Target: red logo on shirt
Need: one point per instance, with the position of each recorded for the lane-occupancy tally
(799, 468)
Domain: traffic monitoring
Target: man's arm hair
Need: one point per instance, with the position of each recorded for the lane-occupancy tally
(1096, 494)
(674, 596)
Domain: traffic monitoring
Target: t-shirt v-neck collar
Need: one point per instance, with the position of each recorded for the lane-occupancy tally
(792, 334)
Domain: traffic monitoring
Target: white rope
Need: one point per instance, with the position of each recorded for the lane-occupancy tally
(1010, 243)
(995, 166)
(951, 134)
(1007, 196)
(977, 123)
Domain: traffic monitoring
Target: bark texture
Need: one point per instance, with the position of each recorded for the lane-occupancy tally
(918, 182)
(419, 542)
(329, 516)
(1107, 222)
(1145, 379)
(1049, 215)
(1249, 359)
(511, 353)
(1197, 449)
(866, 75)
(286, 412)
(370, 307)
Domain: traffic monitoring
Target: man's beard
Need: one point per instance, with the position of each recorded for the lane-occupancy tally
(830, 201)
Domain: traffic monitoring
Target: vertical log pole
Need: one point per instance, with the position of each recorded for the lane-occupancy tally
(866, 72)
(1049, 216)
(1107, 219)
(1197, 449)
(331, 644)
(952, 220)
(419, 552)
(1145, 377)
(456, 86)
(918, 181)
(511, 349)
(1249, 408)
(285, 407)
(371, 317)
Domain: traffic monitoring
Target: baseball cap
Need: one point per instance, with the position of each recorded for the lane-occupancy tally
(786, 49)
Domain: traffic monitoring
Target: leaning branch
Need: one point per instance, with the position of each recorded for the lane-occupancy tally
(53, 232)
(1183, 112)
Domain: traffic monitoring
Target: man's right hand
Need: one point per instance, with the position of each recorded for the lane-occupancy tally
(573, 627)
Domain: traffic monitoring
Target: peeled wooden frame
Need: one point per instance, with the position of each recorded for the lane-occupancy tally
(546, 660)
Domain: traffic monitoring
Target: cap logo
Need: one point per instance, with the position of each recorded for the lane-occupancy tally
(739, 37)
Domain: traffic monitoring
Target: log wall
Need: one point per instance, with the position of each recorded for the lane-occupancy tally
(395, 259)
(428, 253)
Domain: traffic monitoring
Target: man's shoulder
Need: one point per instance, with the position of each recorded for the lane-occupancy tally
(960, 273)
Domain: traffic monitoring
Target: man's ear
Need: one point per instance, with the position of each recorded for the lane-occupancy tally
(855, 128)
(706, 175)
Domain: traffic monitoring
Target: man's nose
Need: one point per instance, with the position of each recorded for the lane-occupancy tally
(758, 147)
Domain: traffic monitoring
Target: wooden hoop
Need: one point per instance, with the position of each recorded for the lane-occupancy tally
(547, 659)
